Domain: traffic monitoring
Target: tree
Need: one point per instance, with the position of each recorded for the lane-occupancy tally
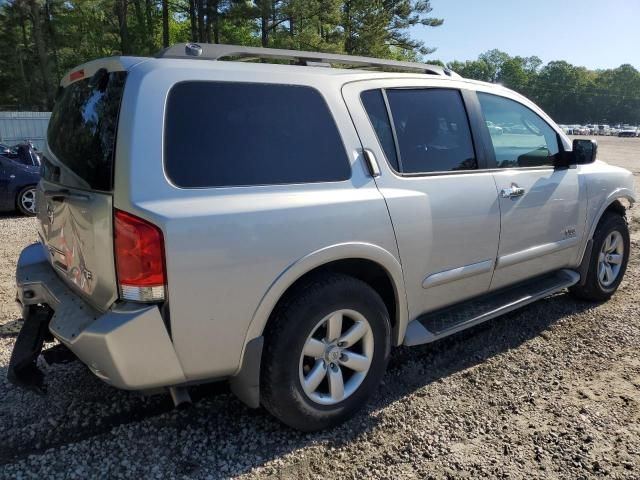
(42, 39)
(380, 27)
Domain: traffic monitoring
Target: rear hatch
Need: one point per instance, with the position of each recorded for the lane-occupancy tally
(75, 195)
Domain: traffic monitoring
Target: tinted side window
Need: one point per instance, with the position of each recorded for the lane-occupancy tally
(373, 102)
(432, 129)
(231, 134)
(520, 137)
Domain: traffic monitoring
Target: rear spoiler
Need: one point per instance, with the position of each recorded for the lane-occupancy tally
(111, 64)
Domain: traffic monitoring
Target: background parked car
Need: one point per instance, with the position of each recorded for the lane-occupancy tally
(628, 131)
(5, 149)
(494, 129)
(19, 175)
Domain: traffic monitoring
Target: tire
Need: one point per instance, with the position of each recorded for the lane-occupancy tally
(26, 201)
(600, 284)
(309, 315)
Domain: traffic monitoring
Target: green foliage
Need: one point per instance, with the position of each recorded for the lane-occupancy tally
(567, 93)
(40, 40)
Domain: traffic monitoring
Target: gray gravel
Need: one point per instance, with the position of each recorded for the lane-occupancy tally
(550, 391)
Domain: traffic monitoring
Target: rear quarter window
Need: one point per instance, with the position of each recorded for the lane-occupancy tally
(220, 134)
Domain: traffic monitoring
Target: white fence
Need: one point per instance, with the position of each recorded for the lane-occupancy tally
(16, 127)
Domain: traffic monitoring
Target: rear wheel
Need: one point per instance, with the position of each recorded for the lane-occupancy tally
(608, 261)
(26, 201)
(326, 350)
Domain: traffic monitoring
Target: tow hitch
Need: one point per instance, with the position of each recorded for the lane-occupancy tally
(23, 370)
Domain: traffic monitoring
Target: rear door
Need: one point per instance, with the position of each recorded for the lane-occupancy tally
(442, 202)
(75, 194)
(542, 215)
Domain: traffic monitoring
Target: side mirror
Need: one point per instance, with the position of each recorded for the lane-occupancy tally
(584, 151)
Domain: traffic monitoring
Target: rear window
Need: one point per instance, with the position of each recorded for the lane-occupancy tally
(221, 134)
(82, 132)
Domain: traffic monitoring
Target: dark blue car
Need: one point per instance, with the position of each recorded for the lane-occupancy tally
(19, 175)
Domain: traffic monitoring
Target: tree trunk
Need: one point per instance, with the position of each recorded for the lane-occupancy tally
(52, 36)
(264, 27)
(121, 14)
(264, 21)
(192, 18)
(209, 24)
(141, 28)
(43, 62)
(348, 28)
(216, 23)
(151, 34)
(201, 32)
(165, 23)
(25, 72)
(213, 18)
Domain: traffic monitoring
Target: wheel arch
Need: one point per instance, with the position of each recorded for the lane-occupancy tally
(613, 203)
(361, 260)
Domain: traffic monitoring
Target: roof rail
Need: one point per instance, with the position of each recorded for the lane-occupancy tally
(208, 51)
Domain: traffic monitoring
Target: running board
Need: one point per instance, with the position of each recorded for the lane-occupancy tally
(441, 323)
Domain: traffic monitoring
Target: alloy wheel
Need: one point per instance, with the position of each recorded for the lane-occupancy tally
(28, 200)
(336, 357)
(610, 259)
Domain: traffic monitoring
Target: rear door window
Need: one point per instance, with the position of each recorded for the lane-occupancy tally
(432, 130)
(82, 132)
(220, 134)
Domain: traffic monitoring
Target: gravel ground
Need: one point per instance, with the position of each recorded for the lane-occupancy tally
(550, 391)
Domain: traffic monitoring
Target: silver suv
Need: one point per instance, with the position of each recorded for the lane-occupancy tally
(283, 226)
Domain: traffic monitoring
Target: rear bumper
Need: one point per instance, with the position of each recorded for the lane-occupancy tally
(127, 346)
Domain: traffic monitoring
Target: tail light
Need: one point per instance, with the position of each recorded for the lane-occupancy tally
(139, 253)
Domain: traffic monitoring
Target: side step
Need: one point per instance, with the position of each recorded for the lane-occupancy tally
(441, 323)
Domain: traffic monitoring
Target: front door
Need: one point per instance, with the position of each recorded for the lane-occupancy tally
(442, 203)
(542, 217)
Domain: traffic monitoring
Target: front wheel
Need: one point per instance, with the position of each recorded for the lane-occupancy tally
(26, 201)
(326, 350)
(608, 261)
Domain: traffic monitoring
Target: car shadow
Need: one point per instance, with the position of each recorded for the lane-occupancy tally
(10, 215)
(233, 433)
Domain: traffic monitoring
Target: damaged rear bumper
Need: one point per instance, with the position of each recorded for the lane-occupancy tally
(127, 346)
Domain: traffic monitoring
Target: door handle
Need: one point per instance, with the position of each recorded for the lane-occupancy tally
(512, 192)
(372, 163)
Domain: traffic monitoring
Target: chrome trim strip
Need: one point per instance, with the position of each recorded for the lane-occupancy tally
(535, 252)
(459, 273)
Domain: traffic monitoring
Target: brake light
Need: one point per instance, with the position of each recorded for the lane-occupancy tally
(77, 75)
(139, 252)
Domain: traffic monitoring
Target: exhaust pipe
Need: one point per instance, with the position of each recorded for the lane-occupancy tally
(180, 396)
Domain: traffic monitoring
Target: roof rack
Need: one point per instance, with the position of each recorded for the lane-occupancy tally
(207, 51)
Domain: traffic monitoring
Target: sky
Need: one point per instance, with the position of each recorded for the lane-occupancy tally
(589, 33)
